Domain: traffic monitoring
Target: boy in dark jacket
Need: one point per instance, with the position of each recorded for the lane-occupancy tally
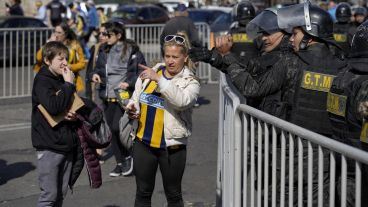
(53, 88)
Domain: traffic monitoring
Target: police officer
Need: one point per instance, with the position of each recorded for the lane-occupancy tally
(347, 93)
(312, 38)
(360, 15)
(343, 30)
(243, 46)
(261, 77)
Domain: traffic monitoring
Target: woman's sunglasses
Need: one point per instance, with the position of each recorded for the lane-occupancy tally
(178, 39)
(102, 33)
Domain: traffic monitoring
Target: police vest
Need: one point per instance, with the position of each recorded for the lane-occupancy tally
(243, 46)
(314, 82)
(341, 36)
(342, 109)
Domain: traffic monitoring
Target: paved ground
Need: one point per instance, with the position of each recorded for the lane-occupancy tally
(18, 173)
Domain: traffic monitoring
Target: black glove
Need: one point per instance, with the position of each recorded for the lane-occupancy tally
(200, 54)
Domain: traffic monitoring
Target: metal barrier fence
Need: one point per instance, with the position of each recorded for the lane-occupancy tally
(266, 161)
(18, 49)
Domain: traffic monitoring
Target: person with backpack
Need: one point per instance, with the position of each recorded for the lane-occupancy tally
(117, 68)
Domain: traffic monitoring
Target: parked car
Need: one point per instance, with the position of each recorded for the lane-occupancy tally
(140, 14)
(108, 8)
(222, 24)
(21, 44)
(204, 15)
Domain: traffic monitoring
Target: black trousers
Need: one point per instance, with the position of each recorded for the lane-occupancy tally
(113, 113)
(172, 164)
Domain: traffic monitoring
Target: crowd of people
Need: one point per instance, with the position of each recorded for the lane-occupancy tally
(306, 69)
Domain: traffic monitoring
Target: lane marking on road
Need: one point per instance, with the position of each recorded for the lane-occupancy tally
(17, 126)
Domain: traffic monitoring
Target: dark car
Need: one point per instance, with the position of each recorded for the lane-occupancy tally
(205, 15)
(21, 44)
(222, 24)
(140, 14)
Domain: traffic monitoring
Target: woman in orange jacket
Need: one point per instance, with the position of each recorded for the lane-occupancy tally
(76, 60)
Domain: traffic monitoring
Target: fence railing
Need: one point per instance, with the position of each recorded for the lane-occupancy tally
(265, 161)
(18, 49)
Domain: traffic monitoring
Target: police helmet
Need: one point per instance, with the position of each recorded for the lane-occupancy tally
(314, 21)
(321, 23)
(359, 44)
(360, 11)
(244, 10)
(343, 12)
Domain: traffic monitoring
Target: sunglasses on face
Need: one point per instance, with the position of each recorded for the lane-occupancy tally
(102, 33)
(178, 39)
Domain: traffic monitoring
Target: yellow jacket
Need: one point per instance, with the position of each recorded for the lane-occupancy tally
(76, 62)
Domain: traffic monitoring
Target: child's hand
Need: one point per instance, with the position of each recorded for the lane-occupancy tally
(68, 75)
(71, 116)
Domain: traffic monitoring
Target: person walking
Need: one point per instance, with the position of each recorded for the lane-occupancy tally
(162, 103)
(53, 88)
(117, 68)
(91, 89)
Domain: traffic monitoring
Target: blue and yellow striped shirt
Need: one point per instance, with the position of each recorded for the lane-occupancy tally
(151, 121)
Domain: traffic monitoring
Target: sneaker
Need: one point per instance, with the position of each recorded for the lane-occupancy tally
(127, 167)
(117, 171)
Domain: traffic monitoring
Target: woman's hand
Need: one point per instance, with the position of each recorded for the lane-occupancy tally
(124, 85)
(71, 116)
(148, 73)
(96, 78)
(132, 111)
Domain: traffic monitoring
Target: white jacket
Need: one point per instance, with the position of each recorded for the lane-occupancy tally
(180, 94)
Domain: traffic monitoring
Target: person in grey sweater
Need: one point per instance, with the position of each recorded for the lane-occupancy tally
(117, 68)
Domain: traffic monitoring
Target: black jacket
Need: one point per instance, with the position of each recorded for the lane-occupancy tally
(136, 57)
(55, 96)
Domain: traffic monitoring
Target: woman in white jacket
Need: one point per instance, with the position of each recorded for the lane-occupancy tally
(162, 102)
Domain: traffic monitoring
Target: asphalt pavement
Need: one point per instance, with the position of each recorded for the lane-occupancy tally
(18, 167)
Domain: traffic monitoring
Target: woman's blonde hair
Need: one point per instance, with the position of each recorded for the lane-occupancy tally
(185, 49)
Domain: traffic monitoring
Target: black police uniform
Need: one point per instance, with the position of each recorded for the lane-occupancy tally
(343, 30)
(243, 46)
(350, 88)
(315, 78)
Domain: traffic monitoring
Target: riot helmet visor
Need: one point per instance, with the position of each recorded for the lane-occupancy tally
(265, 22)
